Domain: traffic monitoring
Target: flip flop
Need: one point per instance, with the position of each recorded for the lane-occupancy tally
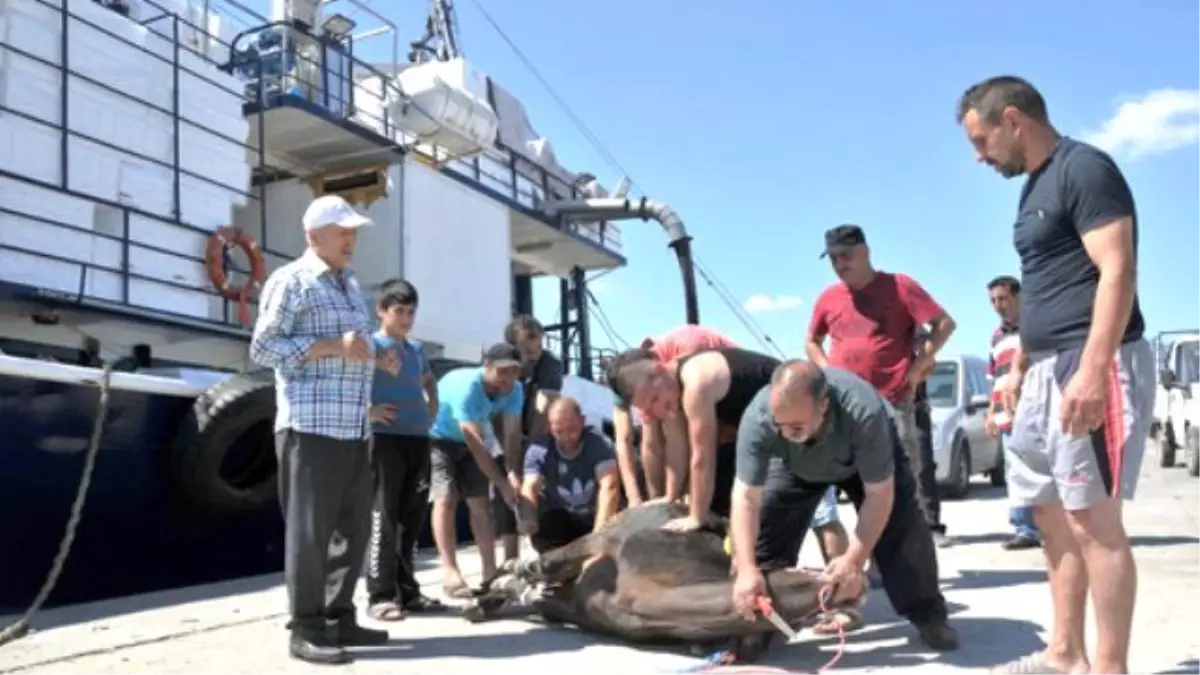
(386, 611)
(457, 591)
(849, 620)
(1030, 664)
(423, 604)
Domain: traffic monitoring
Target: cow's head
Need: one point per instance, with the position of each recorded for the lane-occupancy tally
(509, 589)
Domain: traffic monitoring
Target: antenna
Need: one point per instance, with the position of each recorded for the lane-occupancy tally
(441, 24)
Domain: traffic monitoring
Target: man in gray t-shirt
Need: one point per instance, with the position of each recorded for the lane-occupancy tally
(811, 428)
(571, 485)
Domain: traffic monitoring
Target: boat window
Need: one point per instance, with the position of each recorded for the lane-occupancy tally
(942, 385)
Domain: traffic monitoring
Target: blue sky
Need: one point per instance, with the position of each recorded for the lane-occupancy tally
(765, 123)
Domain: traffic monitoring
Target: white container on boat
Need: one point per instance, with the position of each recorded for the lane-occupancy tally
(448, 106)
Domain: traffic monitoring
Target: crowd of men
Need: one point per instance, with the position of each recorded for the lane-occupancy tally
(366, 436)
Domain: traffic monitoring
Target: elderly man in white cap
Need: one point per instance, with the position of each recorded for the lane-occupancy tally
(313, 330)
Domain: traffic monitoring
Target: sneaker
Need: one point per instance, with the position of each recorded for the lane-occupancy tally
(1020, 542)
(939, 635)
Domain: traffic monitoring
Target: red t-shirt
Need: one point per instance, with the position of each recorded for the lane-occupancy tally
(873, 330)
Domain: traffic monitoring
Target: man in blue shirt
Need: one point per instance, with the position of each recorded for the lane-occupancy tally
(462, 466)
(571, 485)
(313, 331)
(404, 402)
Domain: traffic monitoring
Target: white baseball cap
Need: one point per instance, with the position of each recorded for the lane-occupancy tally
(332, 210)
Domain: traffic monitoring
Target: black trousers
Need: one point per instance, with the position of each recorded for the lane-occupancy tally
(928, 477)
(325, 494)
(905, 555)
(559, 527)
(401, 472)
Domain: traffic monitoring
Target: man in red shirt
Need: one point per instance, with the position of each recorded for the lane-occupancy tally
(872, 319)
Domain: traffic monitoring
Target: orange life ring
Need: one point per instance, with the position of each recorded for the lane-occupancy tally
(214, 259)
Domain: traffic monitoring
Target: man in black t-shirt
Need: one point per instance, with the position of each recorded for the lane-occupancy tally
(1084, 373)
(542, 379)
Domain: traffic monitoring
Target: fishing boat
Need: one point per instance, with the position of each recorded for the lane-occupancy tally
(155, 159)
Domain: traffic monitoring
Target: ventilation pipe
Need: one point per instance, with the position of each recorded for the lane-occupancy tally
(626, 209)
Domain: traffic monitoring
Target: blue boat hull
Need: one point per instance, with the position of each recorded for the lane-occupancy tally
(133, 535)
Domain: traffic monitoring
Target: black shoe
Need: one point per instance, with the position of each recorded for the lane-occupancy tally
(421, 604)
(1020, 543)
(354, 635)
(939, 635)
(316, 649)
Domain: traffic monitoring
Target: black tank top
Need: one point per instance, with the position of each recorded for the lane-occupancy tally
(748, 373)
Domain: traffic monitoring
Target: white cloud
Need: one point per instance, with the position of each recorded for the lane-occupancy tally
(761, 302)
(1156, 122)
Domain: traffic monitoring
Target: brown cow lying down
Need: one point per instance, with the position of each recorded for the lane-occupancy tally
(638, 582)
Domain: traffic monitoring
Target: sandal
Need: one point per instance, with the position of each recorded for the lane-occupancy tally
(457, 591)
(839, 621)
(1030, 664)
(423, 604)
(386, 611)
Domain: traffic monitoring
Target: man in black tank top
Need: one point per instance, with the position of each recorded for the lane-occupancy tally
(700, 399)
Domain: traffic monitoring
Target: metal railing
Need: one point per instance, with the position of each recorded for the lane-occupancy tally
(498, 171)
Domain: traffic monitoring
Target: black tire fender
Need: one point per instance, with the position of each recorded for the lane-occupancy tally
(244, 403)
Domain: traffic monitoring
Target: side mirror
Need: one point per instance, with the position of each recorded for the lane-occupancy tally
(979, 402)
(1166, 378)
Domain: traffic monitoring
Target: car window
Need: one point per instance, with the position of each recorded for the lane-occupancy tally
(941, 388)
(1187, 365)
(978, 384)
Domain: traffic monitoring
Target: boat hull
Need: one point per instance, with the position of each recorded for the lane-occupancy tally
(134, 536)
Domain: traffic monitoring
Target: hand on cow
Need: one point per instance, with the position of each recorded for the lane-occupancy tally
(748, 587)
(684, 524)
(844, 572)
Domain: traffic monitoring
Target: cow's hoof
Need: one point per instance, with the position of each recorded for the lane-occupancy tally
(474, 612)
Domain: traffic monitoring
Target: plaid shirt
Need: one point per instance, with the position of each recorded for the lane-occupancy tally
(303, 302)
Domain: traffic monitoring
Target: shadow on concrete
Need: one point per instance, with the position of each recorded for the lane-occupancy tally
(491, 646)
(982, 579)
(1182, 668)
(985, 642)
(996, 538)
(67, 615)
(1152, 540)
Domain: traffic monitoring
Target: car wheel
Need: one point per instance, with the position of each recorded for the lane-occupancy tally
(960, 471)
(997, 472)
(1166, 448)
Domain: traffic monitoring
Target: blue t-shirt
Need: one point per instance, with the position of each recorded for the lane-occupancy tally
(403, 390)
(462, 398)
(570, 484)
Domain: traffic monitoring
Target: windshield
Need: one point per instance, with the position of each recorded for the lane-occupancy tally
(1189, 363)
(942, 385)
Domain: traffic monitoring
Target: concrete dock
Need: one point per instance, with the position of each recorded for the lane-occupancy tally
(998, 599)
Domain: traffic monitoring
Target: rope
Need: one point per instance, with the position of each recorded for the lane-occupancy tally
(20, 628)
(721, 662)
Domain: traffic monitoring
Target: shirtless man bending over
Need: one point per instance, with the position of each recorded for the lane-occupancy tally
(696, 394)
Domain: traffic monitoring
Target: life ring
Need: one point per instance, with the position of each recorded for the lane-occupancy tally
(215, 262)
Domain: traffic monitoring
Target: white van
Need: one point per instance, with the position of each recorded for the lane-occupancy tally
(1177, 401)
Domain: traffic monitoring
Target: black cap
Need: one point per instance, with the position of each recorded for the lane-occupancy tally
(502, 355)
(842, 238)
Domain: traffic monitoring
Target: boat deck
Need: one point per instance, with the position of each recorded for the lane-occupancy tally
(998, 600)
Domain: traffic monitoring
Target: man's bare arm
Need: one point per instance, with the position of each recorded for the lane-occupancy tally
(941, 328)
(514, 450)
(815, 350)
(1110, 247)
(675, 453)
(745, 507)
(531, 490)
(699, 407)
(872, 518)
(608, 497)
(623, 449)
